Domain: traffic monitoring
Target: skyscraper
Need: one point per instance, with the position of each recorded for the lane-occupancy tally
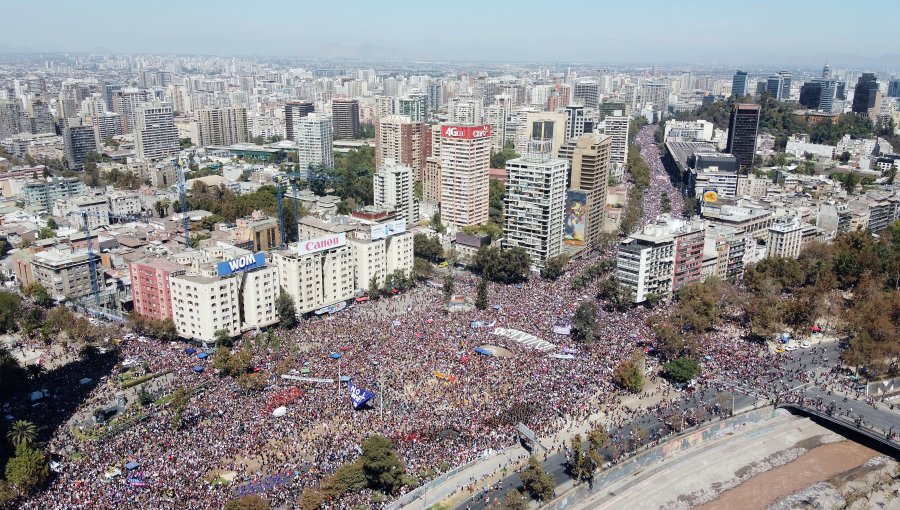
(406, 142)
(222, 126)
(742, 126)
(125, 102)
(867, 97)
(465, 160)
(10, 118)
(393, 185)
(79, 140)
(41, 121)
(293, 112)
(346, 118)
(655, 95)
(155, 135)
(779, 85)
(435, 96)
(587, 93)
(590, 174)
(818, 94)
(575, 124)
(535, 202)
(466, 110)
(893, 88)
(616, 126)
(740, 84)
(314, 138)
(412, 106)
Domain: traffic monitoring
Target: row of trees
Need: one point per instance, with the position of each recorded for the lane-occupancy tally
(639, 172)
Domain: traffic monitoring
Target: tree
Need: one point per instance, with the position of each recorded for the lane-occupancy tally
(436, 223)
(428, 248)
(576, 459)
(585, 320)
(223, 339)
(422, 269)
(31, 320)
(481, 297)
(499, 159)
(248, 502)
(538, 483)
(448, 287)
(185, 143)
(22, 432)
(554, 267)
(682, 369)
(629, 374)
(51, 224)
(311, 499)
(28, 470)
(382, 466)
(287, 313)
(10, 304)
(12, 375)
(515, 500)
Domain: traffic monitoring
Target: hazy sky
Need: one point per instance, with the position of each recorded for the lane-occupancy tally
(761, 32)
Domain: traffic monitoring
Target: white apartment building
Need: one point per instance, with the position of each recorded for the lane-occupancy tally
(75, 208)
(155, 135)
(317, 272)
(616, 126)
(393, 184)
(688, 130)
(645, 265)
(535, 203)
(465, 153)
(466, 110)
(123, 203)
(315, 140)
(785, 238)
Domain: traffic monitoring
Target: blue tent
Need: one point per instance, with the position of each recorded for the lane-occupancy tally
(190, 351)
(335, 355)
(197, 369)
(203, 355)
(497, 307)
(345, 378)
(482, 350)
(132, 465)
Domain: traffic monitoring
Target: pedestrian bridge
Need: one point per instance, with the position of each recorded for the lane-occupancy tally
(888, 446)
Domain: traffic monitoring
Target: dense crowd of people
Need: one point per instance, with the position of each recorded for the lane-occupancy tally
(660, 184)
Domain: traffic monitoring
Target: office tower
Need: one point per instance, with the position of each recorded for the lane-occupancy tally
(811, 95)
(41, 121)
(466, 111)
(406, 142)
(106, 126)
(893, 88)
(79, 140)
(586, 92)
(590, 175)
(779, 85)
(535, 202)
(465, 161)
(107, 92)
(222, 126)
(126, 102)
(393, 185)
(575, 123)
(544, 126)
(742, 126)
(840, 90)
(155, 135)
(826, 72)
(11, 118)
(314, 139)
(740, 84)
(412, 106)
(345, 114)
(616, 126)
(867, 97)
(435, 96)
(293, 112)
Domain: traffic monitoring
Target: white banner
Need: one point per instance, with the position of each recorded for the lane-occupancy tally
(526, 339)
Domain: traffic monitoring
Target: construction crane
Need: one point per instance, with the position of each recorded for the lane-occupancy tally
(186, 219)
(95, 286)
(292, 178)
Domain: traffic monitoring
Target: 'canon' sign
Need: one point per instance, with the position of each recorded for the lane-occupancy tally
(466, 132)
(320, 244)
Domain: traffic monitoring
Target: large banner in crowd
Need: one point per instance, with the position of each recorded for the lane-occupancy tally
(359, 396)
(576, 218)
(526, 339)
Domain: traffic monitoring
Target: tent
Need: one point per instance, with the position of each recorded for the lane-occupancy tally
(132, 465)
(304, 370)
(190, 351)
(482, 350)
(345, 378)
(562, 356)
(279, 412)
(203, 355)
(335, 355)
(197, 369)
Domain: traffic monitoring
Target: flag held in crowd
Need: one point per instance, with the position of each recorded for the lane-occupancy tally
(358, 395)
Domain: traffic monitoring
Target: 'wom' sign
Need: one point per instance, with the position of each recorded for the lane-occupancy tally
(245, 263)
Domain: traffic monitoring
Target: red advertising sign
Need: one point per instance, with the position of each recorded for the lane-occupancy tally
(466, 132)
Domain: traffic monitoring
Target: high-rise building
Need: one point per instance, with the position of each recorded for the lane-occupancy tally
(535, 202)
(406, 142)
(107, 92)
(41, 121)
(893, 88)
(412, 106)
(616, 126)
(293, 112)
(314, 137)
(550, 126)
(785, 238)
(393, 185)
(740, 84)
(106, 126)
(867, 97)
(79, 140)
(655, 94)
(346, 118)
(222, 126)
(826, 72)
(465, 162)
(466, 111)
(590, 174)
(125, 102)
(435, 96)
(586, 92)
(742, 126)
(150, 287)
(779, 85)
(431, 180)
(10, 118)
(155, 135)
(811, 95)
(577, 123)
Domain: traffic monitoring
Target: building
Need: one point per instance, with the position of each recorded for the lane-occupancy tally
(41, 195)
(893, 89)
(125, 102)
(688, 130)
(742, 127)
(402, 140)
(431, 181)
(645, 266)
(78, 140)
(155, 135)
(544, 126)
(466, 110)
(785, 238)
(578, 123)
(346, 118)
(689, 240)
(393, 184)
(779, 85)
(40, 119)
(412, 106)
(258, 232)
(655, 95)
(313, 134)
(222, 126)
(11, 118)
(535, 202)
(94, 208)
(317, 272)
(616, 126)
(106, 126)
(465, 161)
(590, 162)
(150, 288)
(435, 96)
(66, 274)
(740, 84)
(293, 112)
(587, 93)
(867, 97)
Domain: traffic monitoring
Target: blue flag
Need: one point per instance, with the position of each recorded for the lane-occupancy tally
(358, 395)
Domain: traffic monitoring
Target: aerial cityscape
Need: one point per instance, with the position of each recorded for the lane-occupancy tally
(431, 257)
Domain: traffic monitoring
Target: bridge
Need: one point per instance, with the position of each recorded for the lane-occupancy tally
(851, 426)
